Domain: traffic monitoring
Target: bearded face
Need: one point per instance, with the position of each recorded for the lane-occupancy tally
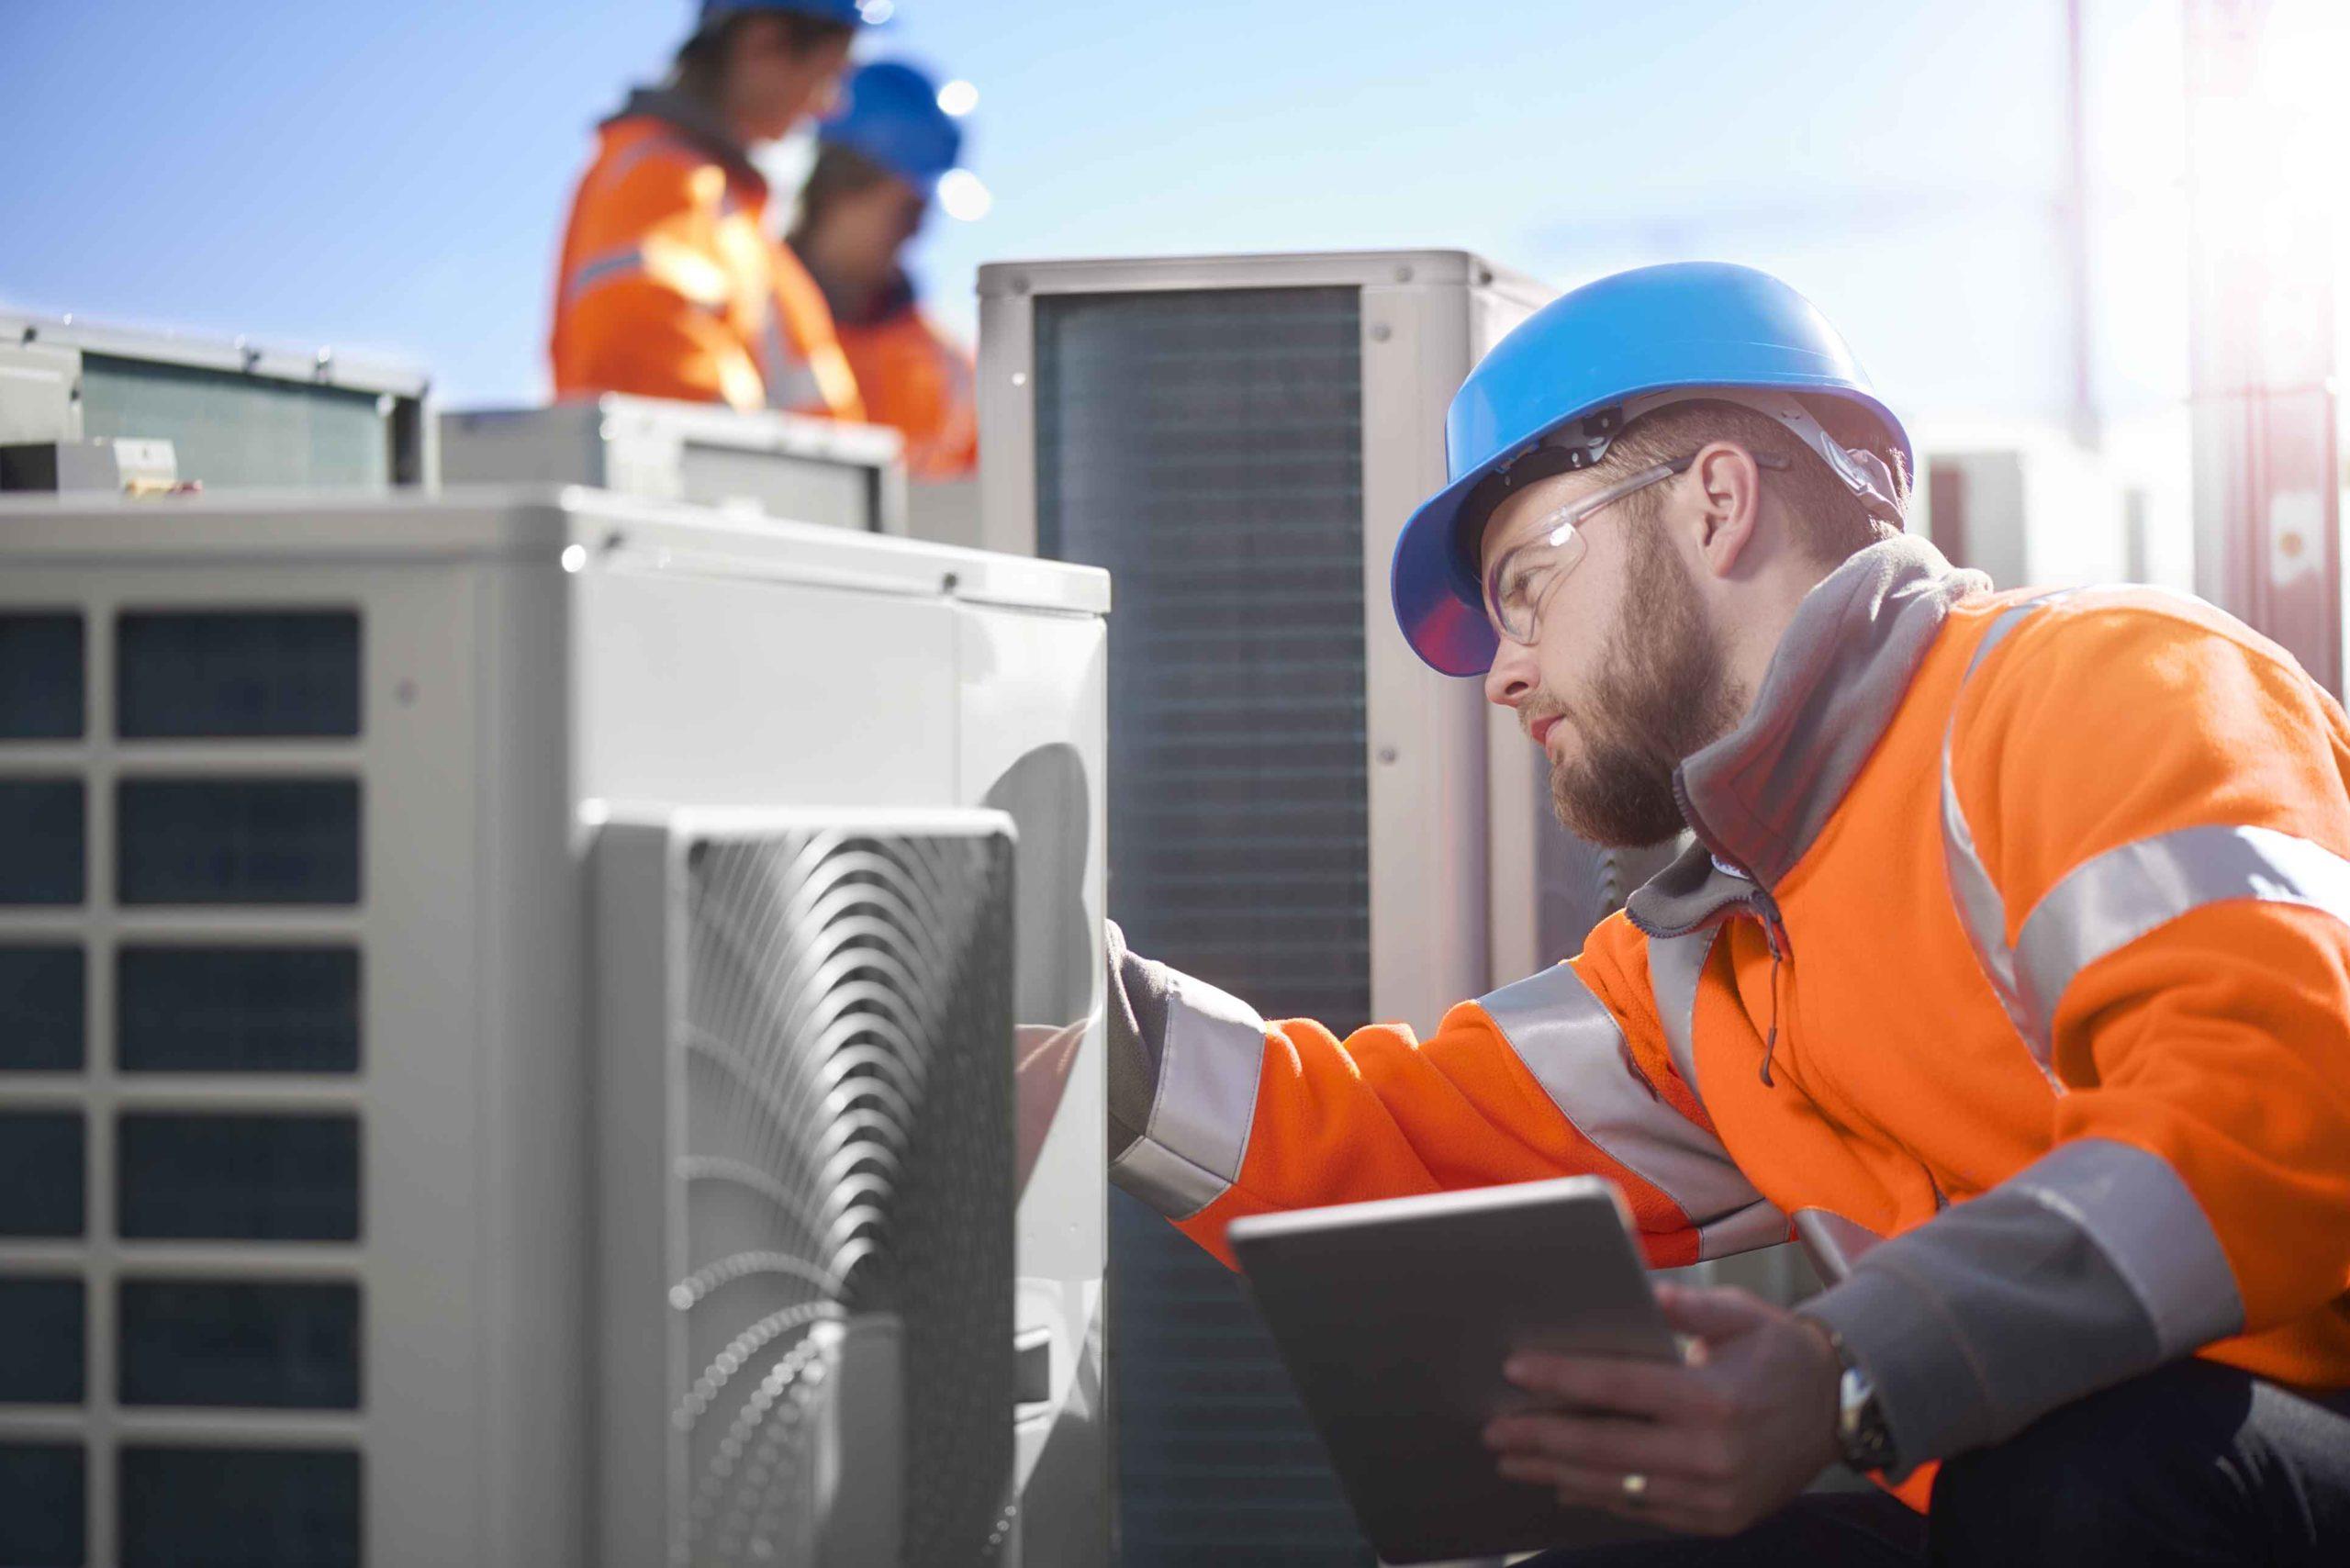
(1662, 691)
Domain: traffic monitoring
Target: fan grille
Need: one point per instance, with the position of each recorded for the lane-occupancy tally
(847, 1157)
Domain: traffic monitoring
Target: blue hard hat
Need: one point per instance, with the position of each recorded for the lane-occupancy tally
(888, 111)
(1577, 370)
(854, 13)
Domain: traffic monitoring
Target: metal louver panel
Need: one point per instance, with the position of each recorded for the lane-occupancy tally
(1207, 447)
(236, 432)
(847, 1183)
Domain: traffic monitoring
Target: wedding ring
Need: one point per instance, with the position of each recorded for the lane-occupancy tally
(1636, 1485)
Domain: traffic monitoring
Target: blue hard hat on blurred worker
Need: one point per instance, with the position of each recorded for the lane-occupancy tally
(890, 112)
(853, 13)
(887, 154)
(1557, 390)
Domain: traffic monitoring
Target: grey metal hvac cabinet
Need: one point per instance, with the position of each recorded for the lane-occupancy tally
(237, 415)
(541, 1029)
(783, 465)
(1299, 810)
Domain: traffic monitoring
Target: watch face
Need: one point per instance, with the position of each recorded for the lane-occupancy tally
(1859, 1423)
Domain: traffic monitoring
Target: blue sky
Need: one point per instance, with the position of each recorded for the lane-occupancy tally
(393, 175)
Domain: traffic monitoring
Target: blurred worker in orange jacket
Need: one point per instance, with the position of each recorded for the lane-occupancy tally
(879, 165)
(2009, 967)
(671, 284)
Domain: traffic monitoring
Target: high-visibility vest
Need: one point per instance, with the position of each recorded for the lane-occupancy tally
(916, 378)
(2016, 933)
(670, 285)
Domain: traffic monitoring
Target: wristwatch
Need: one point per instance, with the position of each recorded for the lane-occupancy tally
(1861, 1430)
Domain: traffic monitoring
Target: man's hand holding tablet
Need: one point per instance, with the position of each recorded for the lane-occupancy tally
(1708, 1446)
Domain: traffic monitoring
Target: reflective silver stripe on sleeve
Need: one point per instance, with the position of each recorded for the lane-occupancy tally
(791, 382)
(1569, 1041)
(2091, 1266)
(625, 261)
(1210, 1061)
(2104, 905)
(1980, 909)
(2150, 1226)
(1676, 966)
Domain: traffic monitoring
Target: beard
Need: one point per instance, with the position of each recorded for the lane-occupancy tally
(1662, 693)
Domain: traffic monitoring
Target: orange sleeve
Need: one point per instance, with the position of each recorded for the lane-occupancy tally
(1247, 1117)
(816, 338)
(2159, 797)
(641, 307)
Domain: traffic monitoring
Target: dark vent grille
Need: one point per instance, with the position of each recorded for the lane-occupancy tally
(42, 1502)
(237, 1178)
(255, 1507)
(238, 841)
(239, 1345)
(41, 1007)
(243, 673)
(1207, 449)
(254, 1009)
(849, 1187)
(41, 675)
(41, 1175)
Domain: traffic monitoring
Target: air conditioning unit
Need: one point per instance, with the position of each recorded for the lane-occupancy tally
(1300, 810)
(87, 407)
(2027, 506)
(546, 1029)
(781, 465)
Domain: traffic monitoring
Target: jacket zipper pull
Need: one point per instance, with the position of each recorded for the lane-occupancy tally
(1772, 936)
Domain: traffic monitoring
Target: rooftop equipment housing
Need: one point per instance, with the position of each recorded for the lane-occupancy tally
(544, 1029)
(785, 466)
(237, 415)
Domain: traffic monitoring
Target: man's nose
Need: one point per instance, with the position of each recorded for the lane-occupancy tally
(1512, 674)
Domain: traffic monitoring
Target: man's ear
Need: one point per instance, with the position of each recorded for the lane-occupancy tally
(1729, 501)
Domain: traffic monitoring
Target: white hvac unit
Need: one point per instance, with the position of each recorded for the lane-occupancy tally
(1301, 812)
(781, 465)
(87, 407)
(2030, 507)
(544, 1029)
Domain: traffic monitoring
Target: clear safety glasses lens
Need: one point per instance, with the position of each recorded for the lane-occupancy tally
(1522, 577)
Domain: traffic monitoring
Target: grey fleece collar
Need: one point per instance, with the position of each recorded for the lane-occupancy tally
(693, 119)
(1758, 796)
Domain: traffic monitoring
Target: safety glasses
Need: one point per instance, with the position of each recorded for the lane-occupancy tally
(1522, 577)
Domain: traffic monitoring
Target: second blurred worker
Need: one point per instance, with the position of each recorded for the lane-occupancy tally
(670, 284)
(879, 164)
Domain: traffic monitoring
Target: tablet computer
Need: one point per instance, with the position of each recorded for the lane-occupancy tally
(1394, 1318)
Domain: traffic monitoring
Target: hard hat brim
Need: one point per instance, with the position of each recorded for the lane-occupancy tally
(1442, 617)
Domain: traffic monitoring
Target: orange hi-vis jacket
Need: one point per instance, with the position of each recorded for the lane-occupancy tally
(916, 378)
(2015, 933)
(670, 285)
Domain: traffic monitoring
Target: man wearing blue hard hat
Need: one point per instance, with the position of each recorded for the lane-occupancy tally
(881, 159)
(2008, 968)
(671, 284)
